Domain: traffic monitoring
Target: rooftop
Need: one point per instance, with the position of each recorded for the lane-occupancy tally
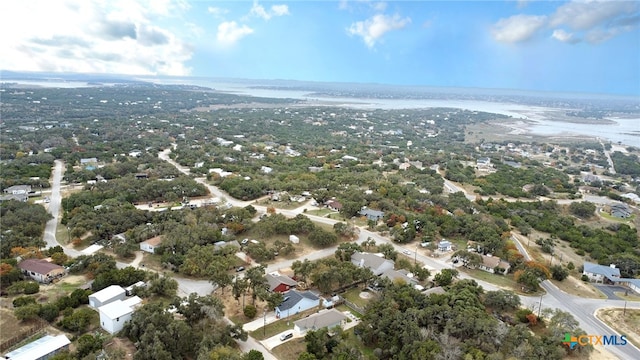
(108, 293)
(293, 297)
(321, 320)
(38, 266)
(39, 348)
(120, 308)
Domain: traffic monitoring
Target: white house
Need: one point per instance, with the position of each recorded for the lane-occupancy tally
(444, 246)
(107, 295)
(491, 263)
(325, 319)
(115, 314)
(151, 244)
(41, 270)
(43, 348)
(601, 273)
(18, 190)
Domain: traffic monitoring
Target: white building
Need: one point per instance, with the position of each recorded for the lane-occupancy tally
(151, 244)
(106, 295)
(43, 348)
(114, 315)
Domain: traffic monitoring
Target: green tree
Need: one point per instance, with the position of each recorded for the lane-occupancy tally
(502, 300)
(558, 272)
(88, 344)
(445, 277)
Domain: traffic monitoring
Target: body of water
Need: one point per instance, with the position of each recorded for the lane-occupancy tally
(625, 131)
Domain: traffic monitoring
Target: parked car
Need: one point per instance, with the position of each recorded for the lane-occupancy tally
(285, 336)
(407, 252)
(244, 241)
(240, 268)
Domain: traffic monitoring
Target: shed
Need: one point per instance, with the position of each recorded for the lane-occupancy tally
(294, 239)
(43, 348)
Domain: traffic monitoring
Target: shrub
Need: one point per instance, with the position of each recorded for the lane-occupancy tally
(31, 287)
(522, 314)
(250, 311)
(23, 300)
(585, 278)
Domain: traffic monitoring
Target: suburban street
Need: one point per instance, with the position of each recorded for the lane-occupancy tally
(581, 308)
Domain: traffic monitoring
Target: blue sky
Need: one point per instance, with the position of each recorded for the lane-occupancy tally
(579, 46)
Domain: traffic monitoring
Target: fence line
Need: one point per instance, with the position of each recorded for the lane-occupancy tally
(23, 335)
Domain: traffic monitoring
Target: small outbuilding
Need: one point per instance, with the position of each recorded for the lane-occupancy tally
(151, 244)
(115, 314)
(41, 349)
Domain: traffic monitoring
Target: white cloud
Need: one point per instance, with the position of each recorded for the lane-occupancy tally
(276, 10)
(217, 12)
(517, 28)
(280, 10)
(372, 29)
(122, 37)
(586, 15)
(593, 20)
(564, 36)
(229, 32)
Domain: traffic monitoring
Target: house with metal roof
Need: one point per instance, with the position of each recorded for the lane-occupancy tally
(41, 270)
(601, 273)
(150, 245)
(371, 214)
(295, 302)
(115, 314)
(107, 295)
(326, 319)
(41, 349)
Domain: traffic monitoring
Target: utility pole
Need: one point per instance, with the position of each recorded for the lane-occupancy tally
(264, 326)
(540, 305)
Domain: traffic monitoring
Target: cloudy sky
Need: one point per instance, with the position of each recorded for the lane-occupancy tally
(583, 46)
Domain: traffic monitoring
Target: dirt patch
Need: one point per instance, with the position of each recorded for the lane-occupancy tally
(365, 295)
(624, 322)
(577, 287)
(121, 346)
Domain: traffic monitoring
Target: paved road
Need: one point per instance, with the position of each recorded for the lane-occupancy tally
(54, 209)
(610, 290)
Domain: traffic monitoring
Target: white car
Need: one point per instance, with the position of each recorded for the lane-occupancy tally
(407, 252)
(285, 336)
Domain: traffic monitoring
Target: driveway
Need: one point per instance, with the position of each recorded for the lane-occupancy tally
(274, 341)
(609, 290)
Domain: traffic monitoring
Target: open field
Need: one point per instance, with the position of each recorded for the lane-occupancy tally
(624, 322)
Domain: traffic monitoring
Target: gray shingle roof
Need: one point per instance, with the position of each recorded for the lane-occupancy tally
(292, 298)
(321, 320)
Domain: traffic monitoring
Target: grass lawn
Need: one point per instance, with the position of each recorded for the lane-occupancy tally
(343, 308)
(631, 296)
(353, 295)
(320, 212)
(279, 326)
(498, 280)
(290, 350)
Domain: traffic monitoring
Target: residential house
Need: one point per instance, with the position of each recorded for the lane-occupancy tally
(435, 290)
(115, 314)
(601, 273)
(491, 263)
(295, 302)
(326, 319)
(371, 214)
(334, 205)
(483, 162)
(41, 270)
(106, 296)
(222, 244)
(620, 210)
(377, 264)
(9, 197)
(43, 348)
(280, 283)
(151, 244)
(444, 246)
(399, 275)
(18, 190)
